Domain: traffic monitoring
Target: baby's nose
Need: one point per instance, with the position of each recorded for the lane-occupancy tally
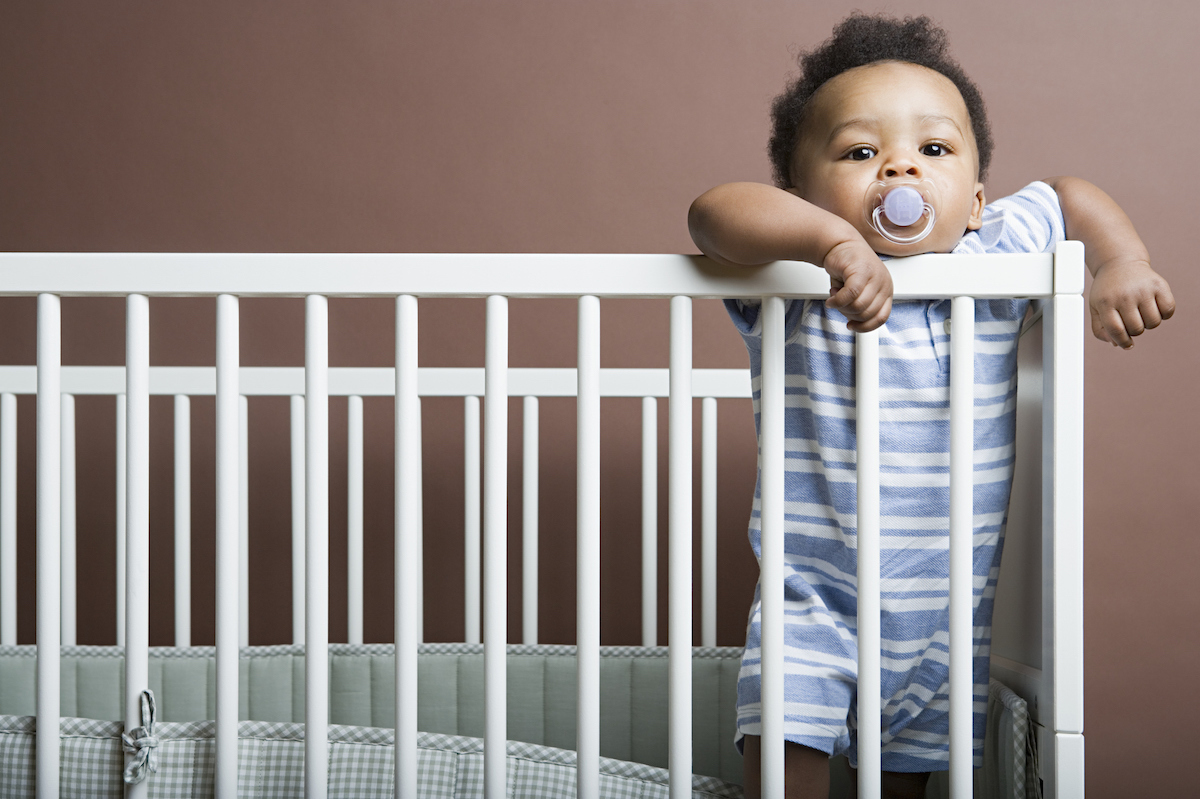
(900, 166)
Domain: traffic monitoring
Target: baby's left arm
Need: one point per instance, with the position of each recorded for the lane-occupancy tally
(1127, 297)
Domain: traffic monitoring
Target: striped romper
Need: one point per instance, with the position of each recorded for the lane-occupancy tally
(820, 610)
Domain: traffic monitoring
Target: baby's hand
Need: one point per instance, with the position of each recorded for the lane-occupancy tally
(1128, 298)
(861, 286)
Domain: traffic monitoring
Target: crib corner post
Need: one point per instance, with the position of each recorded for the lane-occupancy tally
(1062, 518)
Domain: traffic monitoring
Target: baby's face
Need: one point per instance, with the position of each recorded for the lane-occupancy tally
(890, 121)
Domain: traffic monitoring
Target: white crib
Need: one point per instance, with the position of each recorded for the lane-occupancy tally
(1037, 646)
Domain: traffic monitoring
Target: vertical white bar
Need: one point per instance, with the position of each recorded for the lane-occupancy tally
(8, 520)
(243, 521)
(496, 606)
(529, 523)
(679, 635)
(49, 381)
(354, 520)
(408, 545)
(649, 521)
(137, 516)
(962, 529)
(771, 456)
(867, 434)
(121, 448)
(183, 520)
(68, 520)
(420, 545)
(471, 529)
(587, 561)
(495, 542)
(1066, 318)
(1068, 766)
(228, 548)
(316, 635)
(298, 504)
(708, 522)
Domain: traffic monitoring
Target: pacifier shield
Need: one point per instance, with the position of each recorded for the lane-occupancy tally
(901, 211)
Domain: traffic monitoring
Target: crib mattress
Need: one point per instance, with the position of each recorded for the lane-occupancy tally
(271, 764)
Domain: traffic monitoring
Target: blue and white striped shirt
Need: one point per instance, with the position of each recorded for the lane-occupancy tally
(821, 497)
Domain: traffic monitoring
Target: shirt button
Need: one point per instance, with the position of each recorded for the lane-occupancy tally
(946, 326)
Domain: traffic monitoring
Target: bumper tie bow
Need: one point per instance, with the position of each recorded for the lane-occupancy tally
(141, 743)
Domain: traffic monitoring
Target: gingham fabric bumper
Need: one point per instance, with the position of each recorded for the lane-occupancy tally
(271, 764)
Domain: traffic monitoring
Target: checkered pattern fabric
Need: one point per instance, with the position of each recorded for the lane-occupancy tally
(16, 756)
(91, 759)
(297, 650)
(271, 764)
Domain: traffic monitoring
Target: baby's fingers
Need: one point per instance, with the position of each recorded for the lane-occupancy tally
(875, 316)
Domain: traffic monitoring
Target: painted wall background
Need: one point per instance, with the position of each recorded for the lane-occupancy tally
(536, 126)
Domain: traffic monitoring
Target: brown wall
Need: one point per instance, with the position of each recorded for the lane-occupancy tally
(525, 126)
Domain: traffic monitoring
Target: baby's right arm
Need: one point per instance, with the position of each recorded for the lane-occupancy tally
(750, 224)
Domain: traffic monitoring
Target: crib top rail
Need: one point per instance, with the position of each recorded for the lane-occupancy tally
(931, 276)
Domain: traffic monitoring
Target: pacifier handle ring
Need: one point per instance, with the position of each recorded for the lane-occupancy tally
(893, 238)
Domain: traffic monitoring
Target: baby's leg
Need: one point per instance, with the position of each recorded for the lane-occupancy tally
(895, 784)
(805, 770)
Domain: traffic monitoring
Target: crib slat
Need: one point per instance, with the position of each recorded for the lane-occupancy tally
(408, 545)
(298, 505)
(420, 543)
(867, 435)
(708, 522)
(354, 520)
(49, 374)
(316, 635)
(649, 521)
(529, 522)
(183, 520)
(121, 447)
(587, 559)
(680, 555)
(495, 529)
(137, 516)
(68, 520)
(471, 527)
(962, 447)
(8, 520)
(228, 548)
(243, 520)
(771, 409)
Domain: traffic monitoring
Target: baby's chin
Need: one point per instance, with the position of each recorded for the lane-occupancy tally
(930, 244)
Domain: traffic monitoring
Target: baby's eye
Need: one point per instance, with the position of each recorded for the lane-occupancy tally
(860, 153)
(934, 150)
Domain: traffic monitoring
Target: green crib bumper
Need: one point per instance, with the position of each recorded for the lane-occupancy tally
(541, 693)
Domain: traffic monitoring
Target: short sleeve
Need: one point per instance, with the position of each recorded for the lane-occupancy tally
(1029, 221)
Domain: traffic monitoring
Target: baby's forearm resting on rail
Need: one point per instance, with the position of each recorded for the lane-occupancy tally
(1127, 297)
(750, 224)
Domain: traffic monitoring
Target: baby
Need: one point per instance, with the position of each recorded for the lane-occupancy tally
(880, 105)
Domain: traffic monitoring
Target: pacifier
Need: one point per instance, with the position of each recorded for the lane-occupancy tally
(901, 211)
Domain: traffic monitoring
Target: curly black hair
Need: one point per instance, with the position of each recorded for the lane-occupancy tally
(863, 39)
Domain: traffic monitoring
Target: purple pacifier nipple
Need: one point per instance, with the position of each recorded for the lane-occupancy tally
(903, 206)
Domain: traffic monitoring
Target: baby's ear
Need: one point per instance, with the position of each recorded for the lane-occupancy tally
(976, 220)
